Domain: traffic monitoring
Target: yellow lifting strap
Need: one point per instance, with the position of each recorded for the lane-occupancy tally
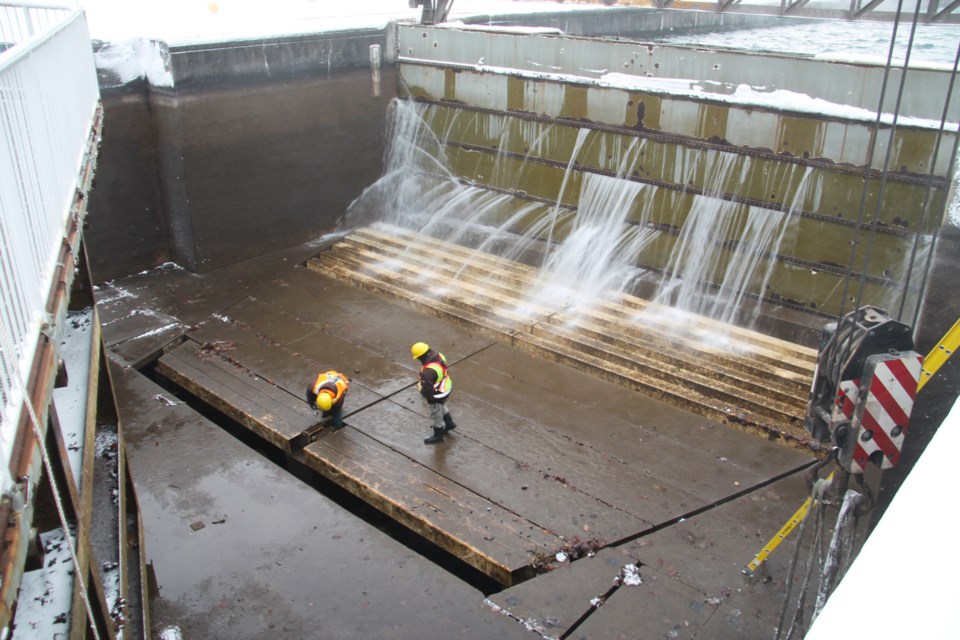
(785, 530)
(939, 354)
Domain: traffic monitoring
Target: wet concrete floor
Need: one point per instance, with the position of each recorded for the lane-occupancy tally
(243, 549)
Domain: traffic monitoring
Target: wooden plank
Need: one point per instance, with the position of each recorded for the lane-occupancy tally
(378, 373)
(369, 321)
(679, 350)
(700, 402)
(289, 370)
(539, 497)
(478, 287)
(476, 529)
(405, 242)
(720, 386)
(251, 401)
(585, 411)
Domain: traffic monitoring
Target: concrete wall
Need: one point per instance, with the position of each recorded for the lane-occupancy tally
(857, 85)
(263, 144)
(257, 146)
(491, 94)
(125, 226)
(631, 22)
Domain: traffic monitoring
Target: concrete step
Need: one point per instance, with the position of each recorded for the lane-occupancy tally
(727, 373)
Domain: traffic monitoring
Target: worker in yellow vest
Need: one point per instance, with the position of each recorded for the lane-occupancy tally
(435, 386)
(326, 396)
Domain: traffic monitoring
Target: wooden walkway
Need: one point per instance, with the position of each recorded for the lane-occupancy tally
(547, 458)
(754, 382)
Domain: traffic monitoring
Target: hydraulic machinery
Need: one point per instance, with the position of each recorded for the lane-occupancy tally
(864, 388)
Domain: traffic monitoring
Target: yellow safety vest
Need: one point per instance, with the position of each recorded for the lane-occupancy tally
(331, 381)
(444, 385)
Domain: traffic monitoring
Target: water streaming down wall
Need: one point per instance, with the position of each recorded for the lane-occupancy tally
(714, 257)
(712, 207)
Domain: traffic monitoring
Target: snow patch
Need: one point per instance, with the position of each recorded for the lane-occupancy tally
(105, 444)
(71, 400)
(171, 633)
(118, 293)
(166, 266)
(158, 330)
(742, 94)
(46, 594)
(630, 574)
(135, 59)
(494, 28)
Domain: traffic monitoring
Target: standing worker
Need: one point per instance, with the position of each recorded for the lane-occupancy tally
(435, 386)
(326, 395)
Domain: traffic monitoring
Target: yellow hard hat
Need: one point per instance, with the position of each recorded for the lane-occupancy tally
(324, 401)
(418, 349)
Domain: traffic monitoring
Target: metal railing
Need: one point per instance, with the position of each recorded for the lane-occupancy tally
(20, 21)
(49, 99)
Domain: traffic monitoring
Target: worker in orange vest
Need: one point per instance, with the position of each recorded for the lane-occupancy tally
(435, 386)
(326, 396)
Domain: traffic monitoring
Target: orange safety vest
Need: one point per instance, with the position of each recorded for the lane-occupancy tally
(444, 385)
(334, 382)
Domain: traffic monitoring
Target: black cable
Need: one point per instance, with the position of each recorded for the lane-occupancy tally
(890, 145)
(866, 170)
(925, 206)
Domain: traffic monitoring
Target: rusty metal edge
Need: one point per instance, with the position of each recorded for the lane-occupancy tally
(25, 462)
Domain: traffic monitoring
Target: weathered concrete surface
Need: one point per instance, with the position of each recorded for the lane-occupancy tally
(755, 384)
(691, 582)
(148, 311)
(558, 428)
(250, 168)
(257, 146)
(241, 549)
(125, 206)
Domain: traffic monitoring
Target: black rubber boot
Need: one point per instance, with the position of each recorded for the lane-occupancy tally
(436, 437)
(448, 423)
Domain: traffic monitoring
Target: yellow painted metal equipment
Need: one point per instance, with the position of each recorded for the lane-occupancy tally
(931, 364)
(940, 354)
(785, 530)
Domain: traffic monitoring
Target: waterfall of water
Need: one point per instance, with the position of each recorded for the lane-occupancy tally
(722, 257)
(598, 256)
(727, 250)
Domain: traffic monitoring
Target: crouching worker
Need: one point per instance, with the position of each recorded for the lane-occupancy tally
(435, 386)
(326, 396)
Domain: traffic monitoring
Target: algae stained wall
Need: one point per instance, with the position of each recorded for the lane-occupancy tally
(861, 200)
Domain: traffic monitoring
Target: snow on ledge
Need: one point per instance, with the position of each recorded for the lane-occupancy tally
(740, 95)
(494, 28)
(138, 58)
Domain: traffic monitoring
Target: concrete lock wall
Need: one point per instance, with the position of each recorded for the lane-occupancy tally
(260, 144)
(491, 95)
(256, 146)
